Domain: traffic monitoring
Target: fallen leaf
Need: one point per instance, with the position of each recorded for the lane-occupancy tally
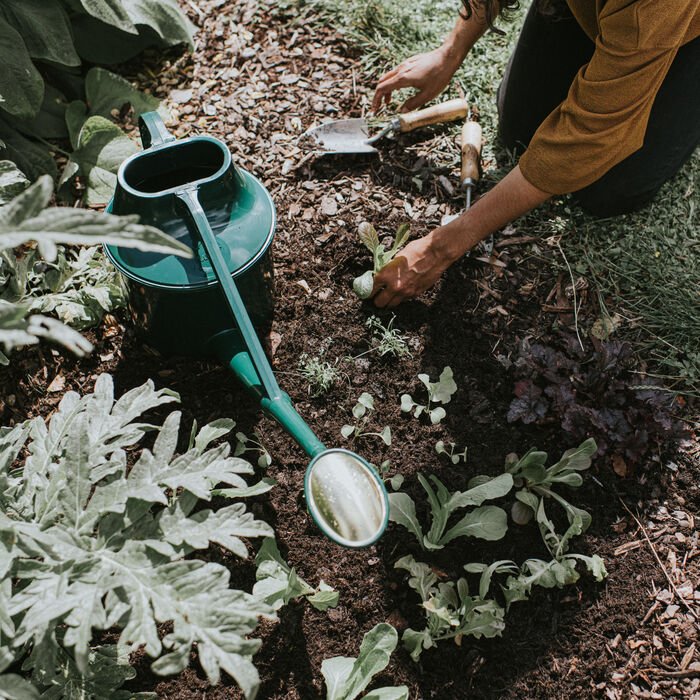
(58, 384)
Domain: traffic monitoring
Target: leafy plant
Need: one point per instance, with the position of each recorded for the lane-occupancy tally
(43, 44)
(387, 340)
(88, 543)
(451, 609)
(450, 449)
(361, 412)
(319, 373)
(438, 392)
(363, 285)
(278, 583)
(347, 677)
(484, 522)
(24, 278)
(595, 394)
(246, 444)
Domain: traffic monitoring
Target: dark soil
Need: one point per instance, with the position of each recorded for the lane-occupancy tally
(560, 644)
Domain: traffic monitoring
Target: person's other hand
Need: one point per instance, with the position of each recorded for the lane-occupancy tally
(428, 72)
(414, 270)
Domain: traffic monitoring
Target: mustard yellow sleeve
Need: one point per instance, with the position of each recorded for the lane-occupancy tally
(604, 117)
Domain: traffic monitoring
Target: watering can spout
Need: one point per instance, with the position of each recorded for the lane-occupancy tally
(230, 348)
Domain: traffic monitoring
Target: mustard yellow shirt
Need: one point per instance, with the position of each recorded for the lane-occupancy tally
(604, 117)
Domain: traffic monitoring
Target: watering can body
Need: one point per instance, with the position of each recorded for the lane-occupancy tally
(176, 302)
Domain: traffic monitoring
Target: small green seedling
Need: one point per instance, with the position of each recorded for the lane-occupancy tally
(319, 373)
(347, 677)
(387, 340)
(364, 284)
(450, 450)
(438, 392)
(361, 413)
(278, 583)
(484, 522)
(534, 481)
(254, 444)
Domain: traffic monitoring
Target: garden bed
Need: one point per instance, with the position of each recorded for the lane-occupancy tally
(257, 84)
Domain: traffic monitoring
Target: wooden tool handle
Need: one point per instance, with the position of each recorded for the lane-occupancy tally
(438, 114)
(471, 152)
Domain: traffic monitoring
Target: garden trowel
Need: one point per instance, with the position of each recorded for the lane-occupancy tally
(353, 135)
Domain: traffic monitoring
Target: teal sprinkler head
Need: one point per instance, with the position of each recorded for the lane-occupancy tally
(175, 184)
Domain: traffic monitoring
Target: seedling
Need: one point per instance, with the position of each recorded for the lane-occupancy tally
(364, 284)
(485, 522)
(254, 444)
(535, 481)
(438, 392)
(319, 373)
(361, 413)
(449, 449)
(387, 340)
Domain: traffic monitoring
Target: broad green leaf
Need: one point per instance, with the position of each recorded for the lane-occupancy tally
(102, 148)
(111, 12)
(385, 435)
(336, 672)
(578, 458)
(407, 403)
(12, 181)
(437, 415)
(364, 285)
(14, 687)
(486, 523)
(45, 28)
(368, 236)
(21, 85)
(402, 510)
(375, 652)
(164, 17)
(398, 693)
(444, 388)
(106, 91)
(325, 597)
(415, 642)
(494, 488)
(30, 203)
(422, 578)
(32, 158)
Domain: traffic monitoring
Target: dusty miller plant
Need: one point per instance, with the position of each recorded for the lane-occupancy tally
(34, 279)
(89, 544)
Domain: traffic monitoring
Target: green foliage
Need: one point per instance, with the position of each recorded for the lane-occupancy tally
(89, 543)
(347, 677)
(43, 93)
(363, 285)
(247, 444)
(451, 609)
(362, 412)
(278, 583)
(450, 449)
(484, 522)
(438, 392)
(319, 373)
(387, 340)
(75, 286)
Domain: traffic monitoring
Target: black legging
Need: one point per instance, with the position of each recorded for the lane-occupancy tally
(549, 53)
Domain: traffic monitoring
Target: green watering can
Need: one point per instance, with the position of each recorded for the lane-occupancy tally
(211, 304)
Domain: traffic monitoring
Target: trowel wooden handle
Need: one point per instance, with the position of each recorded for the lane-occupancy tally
(471, 152)
(438, 114)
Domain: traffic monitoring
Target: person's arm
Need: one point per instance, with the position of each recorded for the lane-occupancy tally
(430, 72)
(421, 263)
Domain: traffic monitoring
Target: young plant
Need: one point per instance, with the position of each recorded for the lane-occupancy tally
(278, 583)
(484, 522)
(438, 392)
(96, 536)
(347, 677)
(451, 611)
(44, 279)
(450, 451)
(319, 373)
(246, 444)
(534, 482)
(387, 340)
(363, 285)
(361, 412)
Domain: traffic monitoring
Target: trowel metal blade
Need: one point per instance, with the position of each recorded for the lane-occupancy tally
(344, 136)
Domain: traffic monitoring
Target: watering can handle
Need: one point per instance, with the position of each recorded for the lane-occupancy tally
(153, 130)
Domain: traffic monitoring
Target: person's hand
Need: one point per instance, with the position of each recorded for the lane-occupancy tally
(428, 72)
(416, 268)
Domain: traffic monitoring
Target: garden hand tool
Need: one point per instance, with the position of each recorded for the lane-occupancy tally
(352, 135)
(192, 190)
(471, 159)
